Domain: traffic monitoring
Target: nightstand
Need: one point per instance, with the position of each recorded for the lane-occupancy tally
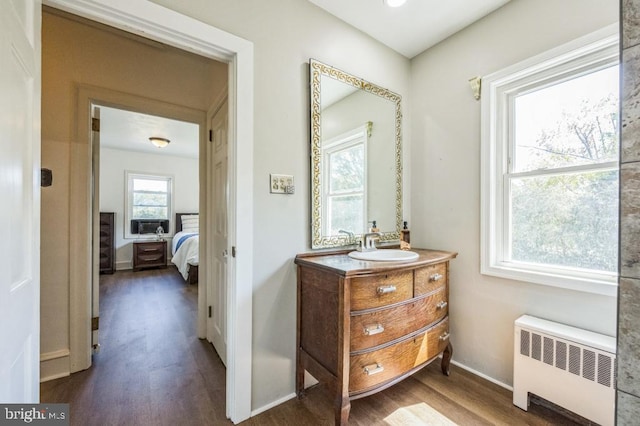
(149, 254)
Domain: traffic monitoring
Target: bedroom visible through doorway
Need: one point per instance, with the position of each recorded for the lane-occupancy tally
(138, 191)
(88, 77)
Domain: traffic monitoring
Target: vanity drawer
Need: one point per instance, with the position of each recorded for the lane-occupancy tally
(430, 277)
(373, 368)
(381, 289)
(384, 325)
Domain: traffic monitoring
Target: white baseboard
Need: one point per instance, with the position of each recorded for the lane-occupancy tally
(53, 377)
(272, 404)
(47, 356)
(123, 265)
(54, 365)
(484, 376)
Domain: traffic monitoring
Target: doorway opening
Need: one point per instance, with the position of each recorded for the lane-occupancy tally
(179, 31)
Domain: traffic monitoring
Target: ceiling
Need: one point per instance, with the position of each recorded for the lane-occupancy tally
(413, 27)
(127, 130)
(409, 30)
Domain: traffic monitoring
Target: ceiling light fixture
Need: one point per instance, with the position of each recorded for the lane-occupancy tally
(159, 142)
(394, 3)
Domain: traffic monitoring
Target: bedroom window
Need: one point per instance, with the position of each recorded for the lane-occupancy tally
(149, 197)
(345, 181)
(550, 168)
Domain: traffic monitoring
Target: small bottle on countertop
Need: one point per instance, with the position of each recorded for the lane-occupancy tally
(405, 238)
(374, 227)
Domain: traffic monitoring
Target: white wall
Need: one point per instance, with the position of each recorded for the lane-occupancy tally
(441, 154)
(286, 33)
(114, 163)
(446, 176)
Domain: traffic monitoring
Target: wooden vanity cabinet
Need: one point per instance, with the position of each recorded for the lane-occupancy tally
(364, 326)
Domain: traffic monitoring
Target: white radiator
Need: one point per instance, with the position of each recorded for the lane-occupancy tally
(570, 367)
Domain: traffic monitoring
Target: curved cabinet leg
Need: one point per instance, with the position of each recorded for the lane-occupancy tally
(342, 409)
(446, 359)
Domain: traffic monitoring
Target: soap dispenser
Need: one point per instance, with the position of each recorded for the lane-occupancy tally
(374, 227)
(405, 239)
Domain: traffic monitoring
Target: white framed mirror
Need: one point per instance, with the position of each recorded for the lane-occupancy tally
(356, 158)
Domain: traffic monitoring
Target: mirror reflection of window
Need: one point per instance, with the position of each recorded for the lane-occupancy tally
(345, 158)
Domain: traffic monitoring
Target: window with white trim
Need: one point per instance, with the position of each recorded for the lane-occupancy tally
(550, 168)
(148, 197)
(345, 181)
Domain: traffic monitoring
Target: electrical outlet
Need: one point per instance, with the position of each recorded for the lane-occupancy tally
(281, 184)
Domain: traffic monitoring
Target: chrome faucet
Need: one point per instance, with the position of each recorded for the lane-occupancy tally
(351, 236)
(368, 243)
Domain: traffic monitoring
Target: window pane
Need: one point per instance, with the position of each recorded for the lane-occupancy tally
(146, 212)
(566, 220)
(346, 170)
(145, 199)
(345, 212)
(149, 185)
(568, 124)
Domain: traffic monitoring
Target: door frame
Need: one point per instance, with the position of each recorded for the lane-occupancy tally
(170, 27)
(90, 97)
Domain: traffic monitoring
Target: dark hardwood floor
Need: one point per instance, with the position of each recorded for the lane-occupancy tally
(153, 370)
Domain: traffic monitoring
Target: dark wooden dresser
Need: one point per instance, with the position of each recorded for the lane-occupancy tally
(107, 243)
(364, 326)
(149, 254)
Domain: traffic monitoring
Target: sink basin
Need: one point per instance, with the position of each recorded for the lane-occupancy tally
(385, 255)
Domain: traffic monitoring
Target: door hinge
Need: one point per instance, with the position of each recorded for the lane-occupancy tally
(233, 251)
(95, 323)
(210, 313)
(95, 124)
(210, 135)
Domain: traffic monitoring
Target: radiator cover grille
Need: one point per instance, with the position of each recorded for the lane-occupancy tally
(582, 360)
(570, 367)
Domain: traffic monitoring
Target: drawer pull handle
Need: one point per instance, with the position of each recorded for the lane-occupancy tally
(435, 277)
(444, 336)
(384, 289)
(371, 329)
(372, 369)
(150, 249)
(442, 305)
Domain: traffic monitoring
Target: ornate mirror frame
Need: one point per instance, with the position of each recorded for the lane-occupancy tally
(317, 70)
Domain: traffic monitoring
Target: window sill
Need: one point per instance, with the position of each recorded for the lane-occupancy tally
(602, 284)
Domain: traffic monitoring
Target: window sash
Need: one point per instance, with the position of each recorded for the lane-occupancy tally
(508, 227)
(588, 54)
(133, 205)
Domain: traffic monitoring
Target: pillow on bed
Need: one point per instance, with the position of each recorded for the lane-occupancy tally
(190, 223)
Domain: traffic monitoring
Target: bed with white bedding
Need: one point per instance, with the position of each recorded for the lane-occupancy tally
(185, 246)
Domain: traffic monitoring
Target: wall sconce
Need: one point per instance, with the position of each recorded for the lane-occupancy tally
(159, 142)
(475, 83)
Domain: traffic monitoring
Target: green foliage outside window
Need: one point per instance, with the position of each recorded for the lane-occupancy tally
(569, 218)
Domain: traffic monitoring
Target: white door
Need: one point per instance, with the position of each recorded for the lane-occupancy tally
(217, 211)
(20, 22)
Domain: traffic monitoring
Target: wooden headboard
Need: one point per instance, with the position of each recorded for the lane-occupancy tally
(179, 220)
